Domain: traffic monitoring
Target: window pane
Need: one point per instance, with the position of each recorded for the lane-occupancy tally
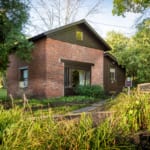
(70, 77)
(25, 83)
(81, 77)
(88, 78)
(23, 77)
(66, 74)
(79, 35)
(74, 77)
(112, 74)
(25, 74)
(112, 69)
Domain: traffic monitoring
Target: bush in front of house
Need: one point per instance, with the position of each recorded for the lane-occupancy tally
(95, 91)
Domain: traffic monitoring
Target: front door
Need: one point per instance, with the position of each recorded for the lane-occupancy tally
(74, 77)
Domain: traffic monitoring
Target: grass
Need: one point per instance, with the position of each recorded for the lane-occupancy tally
(61, 110)
(62, 101)
(61, 105)
(43, 102)
(19, 131)
(133, 109)
(3, 94)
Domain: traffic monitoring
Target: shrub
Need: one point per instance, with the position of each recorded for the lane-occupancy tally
(95, 91)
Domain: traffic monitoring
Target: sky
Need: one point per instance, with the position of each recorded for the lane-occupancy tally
(102, 22)
(105, 21)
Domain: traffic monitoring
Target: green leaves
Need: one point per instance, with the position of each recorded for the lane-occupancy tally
(14, 12)
(117, 41)
(134, 52)
(13, 16)
(120, 7)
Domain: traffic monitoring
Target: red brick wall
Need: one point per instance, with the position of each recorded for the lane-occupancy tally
(57, 50)
(46, 71)
(37, 74)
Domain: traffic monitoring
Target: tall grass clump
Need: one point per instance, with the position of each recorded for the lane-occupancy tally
(7, 119)
(131, 118)
(133, 111)
(46, 133)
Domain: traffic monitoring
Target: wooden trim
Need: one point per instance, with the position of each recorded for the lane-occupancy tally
(70, 63)
(23, 68)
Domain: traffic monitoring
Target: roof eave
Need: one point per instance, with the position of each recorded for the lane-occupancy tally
(37, 37)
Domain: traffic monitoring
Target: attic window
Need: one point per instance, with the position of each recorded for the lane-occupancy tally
(79, 35)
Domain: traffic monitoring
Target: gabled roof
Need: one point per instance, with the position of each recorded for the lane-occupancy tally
(113, 58)
(107, 54)
(83, 21)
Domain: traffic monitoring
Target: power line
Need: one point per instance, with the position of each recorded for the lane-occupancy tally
(112, 25)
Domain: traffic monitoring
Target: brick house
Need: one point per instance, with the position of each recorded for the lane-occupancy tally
(63, 58)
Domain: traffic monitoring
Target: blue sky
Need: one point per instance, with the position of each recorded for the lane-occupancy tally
(102, 22)
(105, 21)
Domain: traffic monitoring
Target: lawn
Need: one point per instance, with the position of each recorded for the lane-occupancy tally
(62, 110)
(59, 105)
(3, 94)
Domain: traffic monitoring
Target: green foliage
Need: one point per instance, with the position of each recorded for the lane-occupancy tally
(62, 110)
(134, 52)
(141, 46)
(122, 6)
(59, 105)
(131, 114)
(7, 119)
(13, 16)
(61, 100)
(95, 91)
(65, 109)
(117, 41)
(3, 94)
(72, 99)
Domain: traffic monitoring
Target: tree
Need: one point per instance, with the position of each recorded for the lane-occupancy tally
(13, 16)
(117, 41)
(142, 46)
(120, 49)
(55, 13)
(120, 7)
(133, 53)
(136, 54)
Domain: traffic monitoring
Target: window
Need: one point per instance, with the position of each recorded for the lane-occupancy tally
(112, 75)
(79, 35)
(23, 77)
(74, 77)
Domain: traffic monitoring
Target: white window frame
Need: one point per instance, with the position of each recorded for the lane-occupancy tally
(24, 77)
(112, 74)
